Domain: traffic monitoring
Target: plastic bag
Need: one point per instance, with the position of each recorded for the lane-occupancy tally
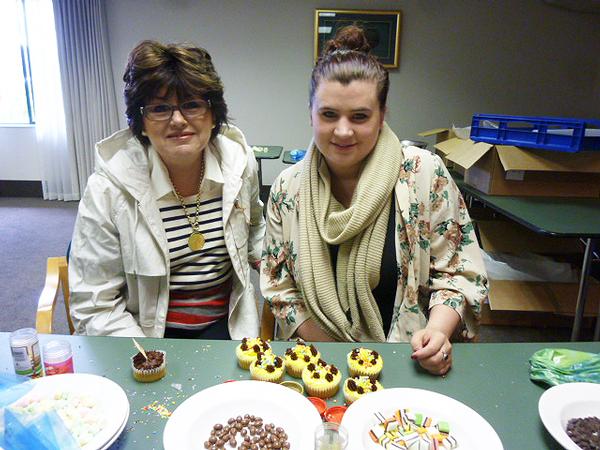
(527, 267)
(12, 388)
(555, 366)
(21, 432)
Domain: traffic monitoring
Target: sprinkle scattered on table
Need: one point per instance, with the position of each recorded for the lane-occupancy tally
(160, 409)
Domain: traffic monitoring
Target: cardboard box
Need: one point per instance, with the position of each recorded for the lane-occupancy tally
(509, 170)
(532, 303)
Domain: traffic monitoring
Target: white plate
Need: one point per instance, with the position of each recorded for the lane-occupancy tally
(108, 395)
(190, 424)
(469, 428)
(568, 401)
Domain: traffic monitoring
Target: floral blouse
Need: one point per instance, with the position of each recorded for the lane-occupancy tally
(437, 254)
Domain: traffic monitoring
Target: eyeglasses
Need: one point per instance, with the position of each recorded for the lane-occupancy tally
(192, 109)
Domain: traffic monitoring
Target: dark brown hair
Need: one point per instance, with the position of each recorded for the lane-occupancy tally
(184, 70)
(346, 58)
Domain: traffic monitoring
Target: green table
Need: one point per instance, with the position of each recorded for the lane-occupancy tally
(492, 379)
(552, 216)
(265, 152)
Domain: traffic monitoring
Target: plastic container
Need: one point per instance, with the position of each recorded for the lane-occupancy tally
(546, 133)
(58, 357)
(319, 403)
(297, 155)
(25, 349)
(334, 414)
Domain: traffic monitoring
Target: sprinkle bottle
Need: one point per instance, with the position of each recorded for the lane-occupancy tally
(25, 349)
(58, 357)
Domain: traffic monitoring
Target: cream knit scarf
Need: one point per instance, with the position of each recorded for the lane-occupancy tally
(346, 310)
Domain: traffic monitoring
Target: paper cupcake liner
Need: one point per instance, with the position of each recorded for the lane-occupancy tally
(373, 374)
(295, 368)
(322, 391)
(275, 377)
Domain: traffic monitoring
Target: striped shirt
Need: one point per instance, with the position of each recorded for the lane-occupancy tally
(201, 281)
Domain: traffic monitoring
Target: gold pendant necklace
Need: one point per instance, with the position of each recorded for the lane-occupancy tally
(196, 239)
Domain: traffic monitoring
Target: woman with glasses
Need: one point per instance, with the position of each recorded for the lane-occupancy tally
(367, 241)
(171, 221)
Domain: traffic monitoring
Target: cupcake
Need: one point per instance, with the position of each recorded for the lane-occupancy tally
(299, 356)
(248, 349)
(356, 387)
(267, 367)
(321, 379)
(362, 361)
(151, 369)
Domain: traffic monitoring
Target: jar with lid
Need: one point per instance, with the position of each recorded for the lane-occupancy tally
(58, 357)
(25, 349)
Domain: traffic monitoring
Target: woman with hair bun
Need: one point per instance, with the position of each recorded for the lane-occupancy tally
(171, 220)
(368, 241)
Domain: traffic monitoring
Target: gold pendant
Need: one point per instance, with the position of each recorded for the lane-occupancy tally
(196, 241)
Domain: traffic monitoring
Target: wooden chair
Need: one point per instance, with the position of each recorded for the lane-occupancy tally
(268, 325)
(57, 278)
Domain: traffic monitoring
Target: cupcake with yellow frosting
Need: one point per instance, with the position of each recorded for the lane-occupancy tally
(267, 367)
(321, 379)
(356, 387)
(248, 349)
(300, 356)
(362, 361)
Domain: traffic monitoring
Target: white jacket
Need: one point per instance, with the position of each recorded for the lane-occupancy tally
(119, 260)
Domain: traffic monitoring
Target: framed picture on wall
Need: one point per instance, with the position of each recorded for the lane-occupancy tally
(382, 29)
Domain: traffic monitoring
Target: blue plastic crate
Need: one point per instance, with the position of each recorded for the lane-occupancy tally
(546, 133)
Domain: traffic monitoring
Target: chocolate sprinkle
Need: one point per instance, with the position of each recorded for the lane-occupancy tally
(155, 359)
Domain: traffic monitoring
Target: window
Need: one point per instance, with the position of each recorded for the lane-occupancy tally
(16, 95)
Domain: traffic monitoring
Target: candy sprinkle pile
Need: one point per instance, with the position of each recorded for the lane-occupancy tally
(161, 410)
(406, 430)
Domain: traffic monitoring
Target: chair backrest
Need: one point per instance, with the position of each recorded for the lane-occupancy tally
(57, 278)
(268, 324)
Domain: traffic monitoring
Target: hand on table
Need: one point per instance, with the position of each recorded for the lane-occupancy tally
(433, 350)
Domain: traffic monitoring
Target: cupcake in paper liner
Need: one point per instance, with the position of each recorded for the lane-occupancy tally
(247, 350)
(300, 356)
(267, 367)
(362, 361)
(151, 369)
(321, 379)
(356, 387)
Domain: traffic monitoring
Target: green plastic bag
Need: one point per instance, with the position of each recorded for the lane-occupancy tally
(554, 366)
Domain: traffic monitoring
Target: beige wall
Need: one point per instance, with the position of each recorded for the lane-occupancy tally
(456, 58)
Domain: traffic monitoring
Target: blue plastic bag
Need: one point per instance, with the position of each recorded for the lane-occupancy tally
(44, 431)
